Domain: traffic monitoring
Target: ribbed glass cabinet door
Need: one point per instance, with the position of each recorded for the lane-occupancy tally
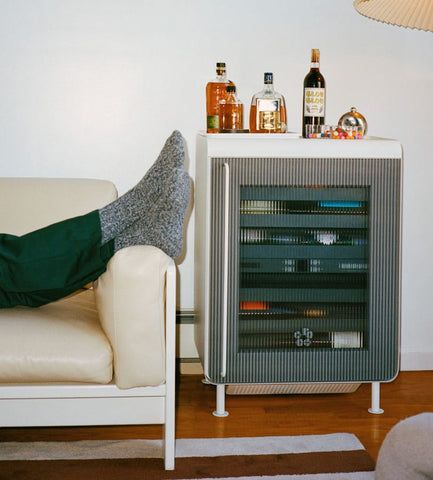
(304, 270)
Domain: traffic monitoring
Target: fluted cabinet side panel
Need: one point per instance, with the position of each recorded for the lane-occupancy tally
(378, 360)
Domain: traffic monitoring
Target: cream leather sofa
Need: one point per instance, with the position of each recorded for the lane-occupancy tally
(103, 356)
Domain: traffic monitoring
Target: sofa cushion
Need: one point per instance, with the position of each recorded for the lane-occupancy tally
(59, 342)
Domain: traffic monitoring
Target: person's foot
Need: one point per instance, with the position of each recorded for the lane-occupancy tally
(129, 208)
(162, 225)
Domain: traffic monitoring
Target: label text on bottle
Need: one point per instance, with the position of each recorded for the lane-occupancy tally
(314, 105)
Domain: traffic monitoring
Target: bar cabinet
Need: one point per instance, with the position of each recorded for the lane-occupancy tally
(297, 263)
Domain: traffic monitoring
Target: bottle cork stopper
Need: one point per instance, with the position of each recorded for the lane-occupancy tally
(315, 55)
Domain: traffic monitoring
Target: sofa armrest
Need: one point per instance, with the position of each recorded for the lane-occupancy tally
(130, 297)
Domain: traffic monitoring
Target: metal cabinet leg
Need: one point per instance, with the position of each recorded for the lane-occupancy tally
(375, 399)
(220, 401)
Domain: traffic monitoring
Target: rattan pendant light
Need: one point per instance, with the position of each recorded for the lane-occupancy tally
(404, 13)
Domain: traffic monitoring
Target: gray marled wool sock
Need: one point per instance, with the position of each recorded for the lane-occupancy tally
(162, 226)
(129, 208)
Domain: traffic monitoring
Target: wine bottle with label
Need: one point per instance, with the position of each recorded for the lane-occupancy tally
(314, 103)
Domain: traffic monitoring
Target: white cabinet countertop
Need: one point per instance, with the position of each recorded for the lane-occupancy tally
(293, 145)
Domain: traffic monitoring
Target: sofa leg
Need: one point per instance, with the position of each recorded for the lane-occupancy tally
(170, 366)
(169, 428)
(169, 446)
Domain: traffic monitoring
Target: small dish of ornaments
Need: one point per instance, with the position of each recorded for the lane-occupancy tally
(351, 126)
(334, 132)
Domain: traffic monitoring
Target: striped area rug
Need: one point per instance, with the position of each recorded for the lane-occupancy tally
(308, 457)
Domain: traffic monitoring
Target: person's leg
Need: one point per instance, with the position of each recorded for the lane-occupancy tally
(125, 211)
(167, 220)
(52, 262)
(38, 298)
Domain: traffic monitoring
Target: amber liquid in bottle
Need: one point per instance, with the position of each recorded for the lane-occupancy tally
(215, 92)
(268, 109)
(313, 105)
(269, 123)
(231, 111)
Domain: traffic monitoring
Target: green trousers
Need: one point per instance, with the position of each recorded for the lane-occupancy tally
(50, 263)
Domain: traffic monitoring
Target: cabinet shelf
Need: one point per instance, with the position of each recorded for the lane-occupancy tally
(304, 310)
(304, 236)
(302, 221)
(300, 193)
(263, 325)
(302, 339)
(304, 280)
(316, 208)
(293, 265)
(303, 251)
(303, 295)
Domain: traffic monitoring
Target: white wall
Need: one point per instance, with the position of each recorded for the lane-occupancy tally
(91, 88)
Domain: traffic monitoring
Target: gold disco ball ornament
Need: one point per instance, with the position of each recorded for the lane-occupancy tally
(353, 120)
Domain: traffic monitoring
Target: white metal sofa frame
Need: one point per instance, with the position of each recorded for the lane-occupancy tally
(25, 405)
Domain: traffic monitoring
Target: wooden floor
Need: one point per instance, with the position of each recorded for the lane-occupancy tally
(409, 394)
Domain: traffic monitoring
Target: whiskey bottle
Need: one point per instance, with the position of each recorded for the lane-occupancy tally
(313, 106)
(216, 91)
(231, 111)
(268, 109)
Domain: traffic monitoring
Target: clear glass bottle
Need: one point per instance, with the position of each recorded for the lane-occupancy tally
(268, 109)
(231, 111)
(216, 91)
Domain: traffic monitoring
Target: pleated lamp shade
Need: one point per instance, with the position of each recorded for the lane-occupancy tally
(404, 13)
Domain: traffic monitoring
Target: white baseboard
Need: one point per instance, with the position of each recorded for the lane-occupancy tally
(416, 361)
(187, 354)
(190, 366)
